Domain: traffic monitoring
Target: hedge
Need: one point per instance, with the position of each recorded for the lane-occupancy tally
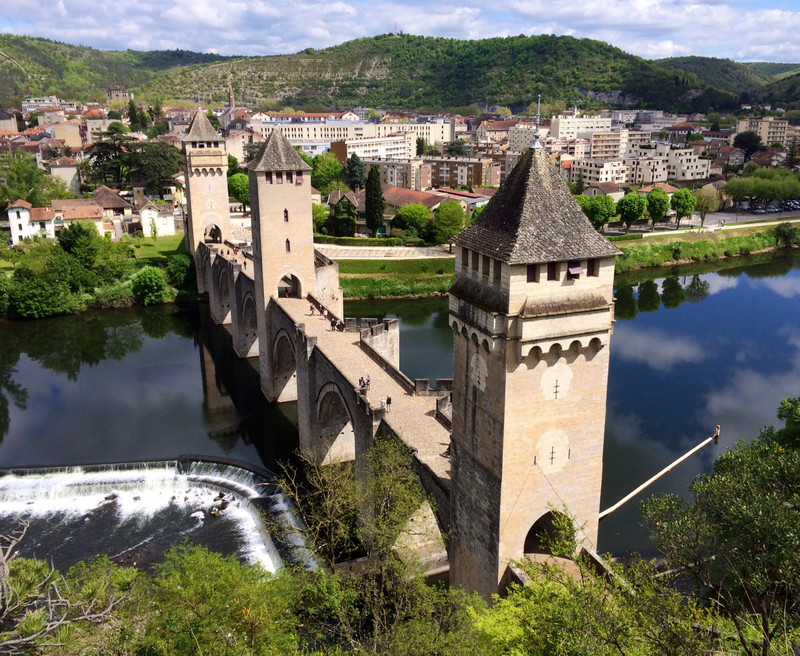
(629, 237)
(367, 241)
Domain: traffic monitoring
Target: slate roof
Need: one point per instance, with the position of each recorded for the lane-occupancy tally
(534, 218)
(277, 154)
(109, 199)
(201, 129)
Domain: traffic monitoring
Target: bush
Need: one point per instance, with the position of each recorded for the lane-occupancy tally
(118, 295)
(180, 270)
(149, 286)
(34, 297)
(786, 235)
(628, 237)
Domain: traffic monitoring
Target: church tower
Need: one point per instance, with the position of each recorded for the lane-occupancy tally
(206, 184)
(532, 312)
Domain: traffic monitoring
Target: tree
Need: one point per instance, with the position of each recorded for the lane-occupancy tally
(320, 215)
(373, 201)
(420, 146)
(326, 172)
(155, 163)
(706, 200)
(39, 606)
(738, 541)
(683, 204)
(459, 148)
(81, 240)
(233, 166)
(21, 178)
(580, 186)
(149, 286)
(448, 221)
(786, 235)
(631, 207)
(412, 218)
(354, 172)
(749, 142)
(345, 218)
(657, 205)
(598, 209)
(212, 118)
(239, 188)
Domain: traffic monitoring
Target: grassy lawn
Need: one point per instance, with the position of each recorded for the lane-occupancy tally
(385, 278)
(157, 251)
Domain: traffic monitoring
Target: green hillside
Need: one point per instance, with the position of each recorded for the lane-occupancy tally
(413, 72)
(721, 73)
(774, 70)
(784, 90)
(33, 66)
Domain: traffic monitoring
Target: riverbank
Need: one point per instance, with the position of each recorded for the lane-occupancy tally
(364, 279)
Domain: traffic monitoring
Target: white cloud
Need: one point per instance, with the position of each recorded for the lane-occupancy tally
(649, 28)
(657, 349)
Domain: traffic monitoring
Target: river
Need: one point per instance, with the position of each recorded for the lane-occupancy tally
(690, 349)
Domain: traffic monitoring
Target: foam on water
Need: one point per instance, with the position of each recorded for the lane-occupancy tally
(137, 492)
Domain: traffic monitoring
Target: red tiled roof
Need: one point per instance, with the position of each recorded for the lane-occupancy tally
(82, 212)
(20, 203)
(41, 214)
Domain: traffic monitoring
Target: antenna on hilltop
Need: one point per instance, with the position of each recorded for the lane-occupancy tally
(536, 142)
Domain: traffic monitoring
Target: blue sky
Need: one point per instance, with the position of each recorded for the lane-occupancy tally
(745, 30)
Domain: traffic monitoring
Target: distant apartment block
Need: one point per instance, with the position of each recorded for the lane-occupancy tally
(770, 129)
(396, 146)
(568, 127)
(35, 104)
(463, 171)
(406, 173)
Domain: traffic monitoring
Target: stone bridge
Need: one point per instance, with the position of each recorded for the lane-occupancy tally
(303, 359)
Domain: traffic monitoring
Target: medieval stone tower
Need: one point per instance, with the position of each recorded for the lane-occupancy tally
(206, 165)
(532, 311)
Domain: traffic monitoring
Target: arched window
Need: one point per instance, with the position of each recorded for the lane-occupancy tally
(285, 215)
(288, 247)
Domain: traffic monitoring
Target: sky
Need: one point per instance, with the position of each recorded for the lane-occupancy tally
(743, 30)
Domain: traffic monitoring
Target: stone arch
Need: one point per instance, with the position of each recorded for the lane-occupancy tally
(543, 531)
(335, 424)
(202, 262)
(220, 294)
(212, 234)
(290, 287)
(249, 327)
(284, 367)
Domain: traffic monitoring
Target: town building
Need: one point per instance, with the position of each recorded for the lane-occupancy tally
(396, 146)
(770, 129)
(407, 173)
(463, 171)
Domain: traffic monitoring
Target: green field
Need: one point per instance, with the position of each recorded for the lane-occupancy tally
(393, 278)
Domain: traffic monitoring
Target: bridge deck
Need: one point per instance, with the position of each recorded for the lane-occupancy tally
(412, 418)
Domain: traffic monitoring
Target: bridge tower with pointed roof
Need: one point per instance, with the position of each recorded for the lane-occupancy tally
(206, 162)
(532, 313)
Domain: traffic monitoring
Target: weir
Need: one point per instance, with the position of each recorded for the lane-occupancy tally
(134, 511)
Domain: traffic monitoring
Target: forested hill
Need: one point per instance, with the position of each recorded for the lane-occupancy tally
(35, 67)
(753, 81)
(426, 72)
(391, 70)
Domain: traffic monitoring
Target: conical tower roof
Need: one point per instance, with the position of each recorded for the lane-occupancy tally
(277, 154)
(534, 218)
(201, 129)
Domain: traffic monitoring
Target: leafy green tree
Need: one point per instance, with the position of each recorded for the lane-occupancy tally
(149, 286)
(412, 217)
(738, 541)
(448, 221)
(580, 186)
(354, 172)
(631, 207)
(320, 215)
(657, 205)
(212, 118)
(787, 235)
(233, 166)
(706, 200)
(33, 296)
(683, 204)
(420, 146)
(110, 162)
(749, 142)
(21, 178)
(155, 163)
(326, 173)
(459, 148)
(239, 188)
(81, 240)
(180, 269)
(599, 209)
(373, 201)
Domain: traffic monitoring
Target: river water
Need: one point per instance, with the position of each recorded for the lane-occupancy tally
(691, 349)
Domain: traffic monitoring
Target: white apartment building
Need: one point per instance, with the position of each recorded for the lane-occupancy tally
(396, 146)
(568, 127)
(595, 171)
(521, 136)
